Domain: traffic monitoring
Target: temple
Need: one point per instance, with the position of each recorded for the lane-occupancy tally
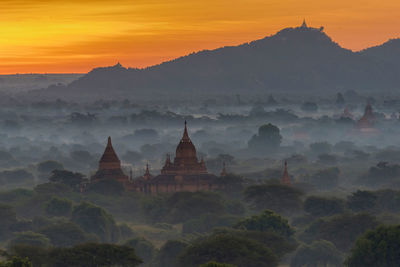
(285, 178)
(366, 124)
(347, 114)
(110, 166)
(185, 173)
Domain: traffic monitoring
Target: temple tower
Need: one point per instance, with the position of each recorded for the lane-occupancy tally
(285, 178)
(109, 160)
(185, 161)
(223, 172)
(110, 166)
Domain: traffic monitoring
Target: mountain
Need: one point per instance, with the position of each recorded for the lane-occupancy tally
(294, 59)
(388, 52)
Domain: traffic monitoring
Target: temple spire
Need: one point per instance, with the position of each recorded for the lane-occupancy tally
(147, 175)
(285, 178)
(223, 173)
(304, 25)
(109, 160)
(185, 137)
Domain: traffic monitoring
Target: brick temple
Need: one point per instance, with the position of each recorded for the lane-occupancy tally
(185, 173)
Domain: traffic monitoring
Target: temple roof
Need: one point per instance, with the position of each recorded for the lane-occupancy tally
(109, 154)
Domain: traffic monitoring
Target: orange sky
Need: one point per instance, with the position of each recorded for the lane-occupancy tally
(55, 36)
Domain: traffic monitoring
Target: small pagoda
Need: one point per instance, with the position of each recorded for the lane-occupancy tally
(110, 166)
(286, 178)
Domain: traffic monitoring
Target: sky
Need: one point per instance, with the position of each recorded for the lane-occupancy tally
(75, 36)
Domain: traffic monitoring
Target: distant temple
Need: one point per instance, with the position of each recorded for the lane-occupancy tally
(110, 166)
(366, 124)
(185, 173)
(285, 178)
(347, 114)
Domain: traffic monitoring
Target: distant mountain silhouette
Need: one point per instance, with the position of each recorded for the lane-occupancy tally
(294, 59)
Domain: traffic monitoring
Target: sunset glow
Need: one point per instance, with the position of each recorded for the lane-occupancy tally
(55, 36)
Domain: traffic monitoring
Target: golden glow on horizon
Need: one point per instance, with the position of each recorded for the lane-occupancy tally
(56, 36)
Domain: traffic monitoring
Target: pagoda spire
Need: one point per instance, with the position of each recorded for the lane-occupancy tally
(223, 173)
(185, 137)
(285, 178)
(147, 175)
(304, 25)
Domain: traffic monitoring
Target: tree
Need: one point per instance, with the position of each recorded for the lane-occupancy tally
(64, 234)
(309, 106)
(320, 148)
(340, 100)
(320, 253)
(169, 252)
(268, 138)
(183, 206)
(52, 189)
(321, 206)
(239, 251)
(379, 247)
(16, 262)
(49, 166)
(361, 200)
(278, 244)
(8, 218)
(59, 207)
(37, 255)
(31, 239)
(279, 198)
(16, 176)
(268, 221)
(143, 248)
(68, 178)
(93, 219)
(342, 230)
(109, 187)
(325, 179)
(207, 222)
(94, 255)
